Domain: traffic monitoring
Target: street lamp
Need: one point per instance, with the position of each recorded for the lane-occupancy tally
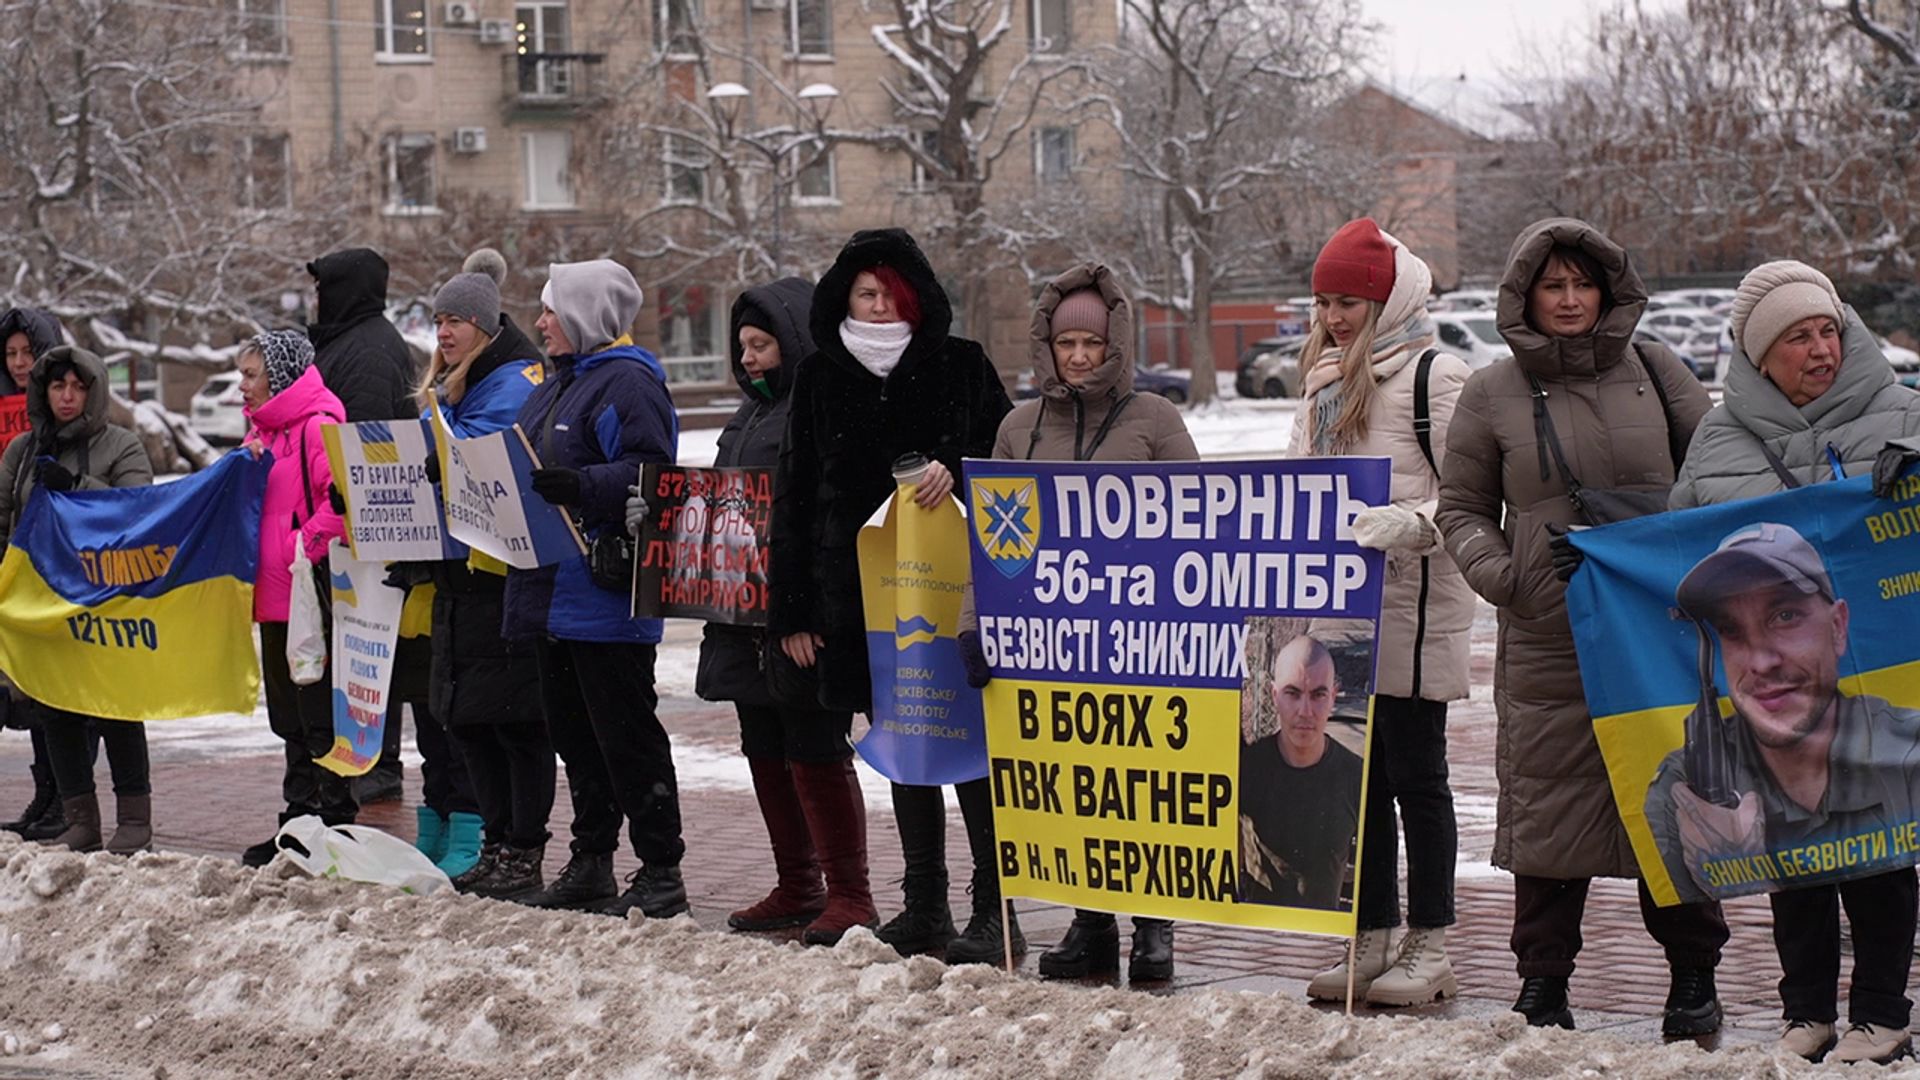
(727, 99)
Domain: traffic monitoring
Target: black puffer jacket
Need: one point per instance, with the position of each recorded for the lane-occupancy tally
(731, 656)
(944, 399)
(363, 359)
(479, 677)
(43, 334)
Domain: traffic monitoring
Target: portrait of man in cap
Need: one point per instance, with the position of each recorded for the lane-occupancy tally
(1752, 801)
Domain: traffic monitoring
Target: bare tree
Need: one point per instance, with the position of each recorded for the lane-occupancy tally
(1208, 99)
(1711, 146)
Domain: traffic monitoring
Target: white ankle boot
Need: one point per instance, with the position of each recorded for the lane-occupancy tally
(1373, 954)
(1419, 974)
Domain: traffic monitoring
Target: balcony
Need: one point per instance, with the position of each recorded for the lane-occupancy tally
(551, 82)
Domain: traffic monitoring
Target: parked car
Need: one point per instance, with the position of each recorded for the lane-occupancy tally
(1471, 336)
(1175, 386)
(1270, 368)
(1683, 318)
(1906, 362)
(1718, 301)
(219, 411)
(1466, 300)
(1676, 341)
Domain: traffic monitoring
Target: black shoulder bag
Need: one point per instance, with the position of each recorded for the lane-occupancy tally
(1601, 506)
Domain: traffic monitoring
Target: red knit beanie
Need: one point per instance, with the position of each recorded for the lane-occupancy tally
(1358, 261)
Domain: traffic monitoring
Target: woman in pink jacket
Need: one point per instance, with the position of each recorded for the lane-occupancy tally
(287, 403)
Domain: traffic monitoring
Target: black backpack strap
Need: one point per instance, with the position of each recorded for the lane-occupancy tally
(1779, 467)
(1549, 442)
(1100, 434)
(1676, 446)
(1422, 409)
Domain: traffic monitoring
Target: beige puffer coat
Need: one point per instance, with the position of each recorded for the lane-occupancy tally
(1062, 424)
(1426, 608)
(1556, 814)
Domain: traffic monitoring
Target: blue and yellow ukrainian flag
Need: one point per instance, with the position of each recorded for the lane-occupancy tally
(137, 603)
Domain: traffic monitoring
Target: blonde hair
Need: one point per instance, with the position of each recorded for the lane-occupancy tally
(438, 369)
(1357, 386)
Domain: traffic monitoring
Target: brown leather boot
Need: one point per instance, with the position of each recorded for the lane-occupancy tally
(836, 815)
(799, 897)
(134, 818)
(83, 824)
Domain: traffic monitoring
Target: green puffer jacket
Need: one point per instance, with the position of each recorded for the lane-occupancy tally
(1859, 414)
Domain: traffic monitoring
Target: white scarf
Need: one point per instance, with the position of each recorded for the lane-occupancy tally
(877, 346)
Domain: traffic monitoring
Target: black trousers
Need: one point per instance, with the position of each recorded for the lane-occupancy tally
(445, 785)
(303, 718)
(811, 736)
(513, 773)
(1408, 766)
(599, 700)
(1546, 926)
(921, 814)
(1806, 932)
(71, 741)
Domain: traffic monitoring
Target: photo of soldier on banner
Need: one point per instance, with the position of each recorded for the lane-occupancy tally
(1752, 673)
(1303, 716)
(1156, 633)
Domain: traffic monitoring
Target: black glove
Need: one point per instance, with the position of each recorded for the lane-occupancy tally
(974, 658)
(433, 469)
(561, 487)
(336, 500)
(407, 575)
(1888, 466)
(1566, 557)
(54, 476)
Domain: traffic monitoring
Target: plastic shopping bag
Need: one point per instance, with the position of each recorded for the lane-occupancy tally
(358, 853)
(306, 623)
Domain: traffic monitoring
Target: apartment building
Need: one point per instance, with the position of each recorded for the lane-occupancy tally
(518, 102)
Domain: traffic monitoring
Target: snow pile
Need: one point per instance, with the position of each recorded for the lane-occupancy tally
(182, 966)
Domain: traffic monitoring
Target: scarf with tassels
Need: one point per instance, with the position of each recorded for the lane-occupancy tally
(1321, 385)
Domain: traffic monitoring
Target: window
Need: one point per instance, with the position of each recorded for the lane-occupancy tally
(548, 157)
(1053, 155)
(263, 27)
(814, 183)
(538, 29)
(693, 346)
(400, 29)
(1453, 337)
(676, 27)
(410, 174)
(1049, 25)
(686, 164)
(267, 184)
(810, 28)
(922, 179)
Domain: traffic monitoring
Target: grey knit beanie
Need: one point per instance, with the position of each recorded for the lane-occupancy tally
(473, 297)
(1774, 296)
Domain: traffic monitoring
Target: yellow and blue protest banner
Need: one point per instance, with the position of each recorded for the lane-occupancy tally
(137, 603)
(1182, 660)
(393, 513)
(1754, 680)
(927, 727)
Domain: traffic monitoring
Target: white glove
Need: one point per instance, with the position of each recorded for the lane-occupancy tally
(1390, 528)
(636, 510)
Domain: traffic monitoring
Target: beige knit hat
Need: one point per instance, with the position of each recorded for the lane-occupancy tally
(1774, 296)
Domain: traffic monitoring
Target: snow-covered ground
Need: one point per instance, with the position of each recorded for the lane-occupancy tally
(167, 965)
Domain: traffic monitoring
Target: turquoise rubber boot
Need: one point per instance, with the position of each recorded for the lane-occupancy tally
(431, 837)
(462, 844)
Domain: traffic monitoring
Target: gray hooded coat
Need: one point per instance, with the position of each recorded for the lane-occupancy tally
(1859, 414)
(100, 454)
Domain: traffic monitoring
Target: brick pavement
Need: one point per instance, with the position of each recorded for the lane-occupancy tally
(220, 805)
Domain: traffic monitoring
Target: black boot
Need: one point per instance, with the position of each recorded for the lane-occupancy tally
(44, 796)
(515, 872)
(658, 891)
(262, 853)
(1693, 1007)
(1543, 1001)
(52, 822)
(1152, 959)
(585, 882)
(926, 924)
(383, 783)
(983, 942)
(1092, 946)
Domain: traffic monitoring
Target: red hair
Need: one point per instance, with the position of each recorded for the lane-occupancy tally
(906, 302)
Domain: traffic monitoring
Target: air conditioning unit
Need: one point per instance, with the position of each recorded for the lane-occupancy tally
(469, 140)
(461, 13)
(496, 31)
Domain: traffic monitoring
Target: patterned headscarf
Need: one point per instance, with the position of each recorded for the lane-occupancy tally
(285, 355)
